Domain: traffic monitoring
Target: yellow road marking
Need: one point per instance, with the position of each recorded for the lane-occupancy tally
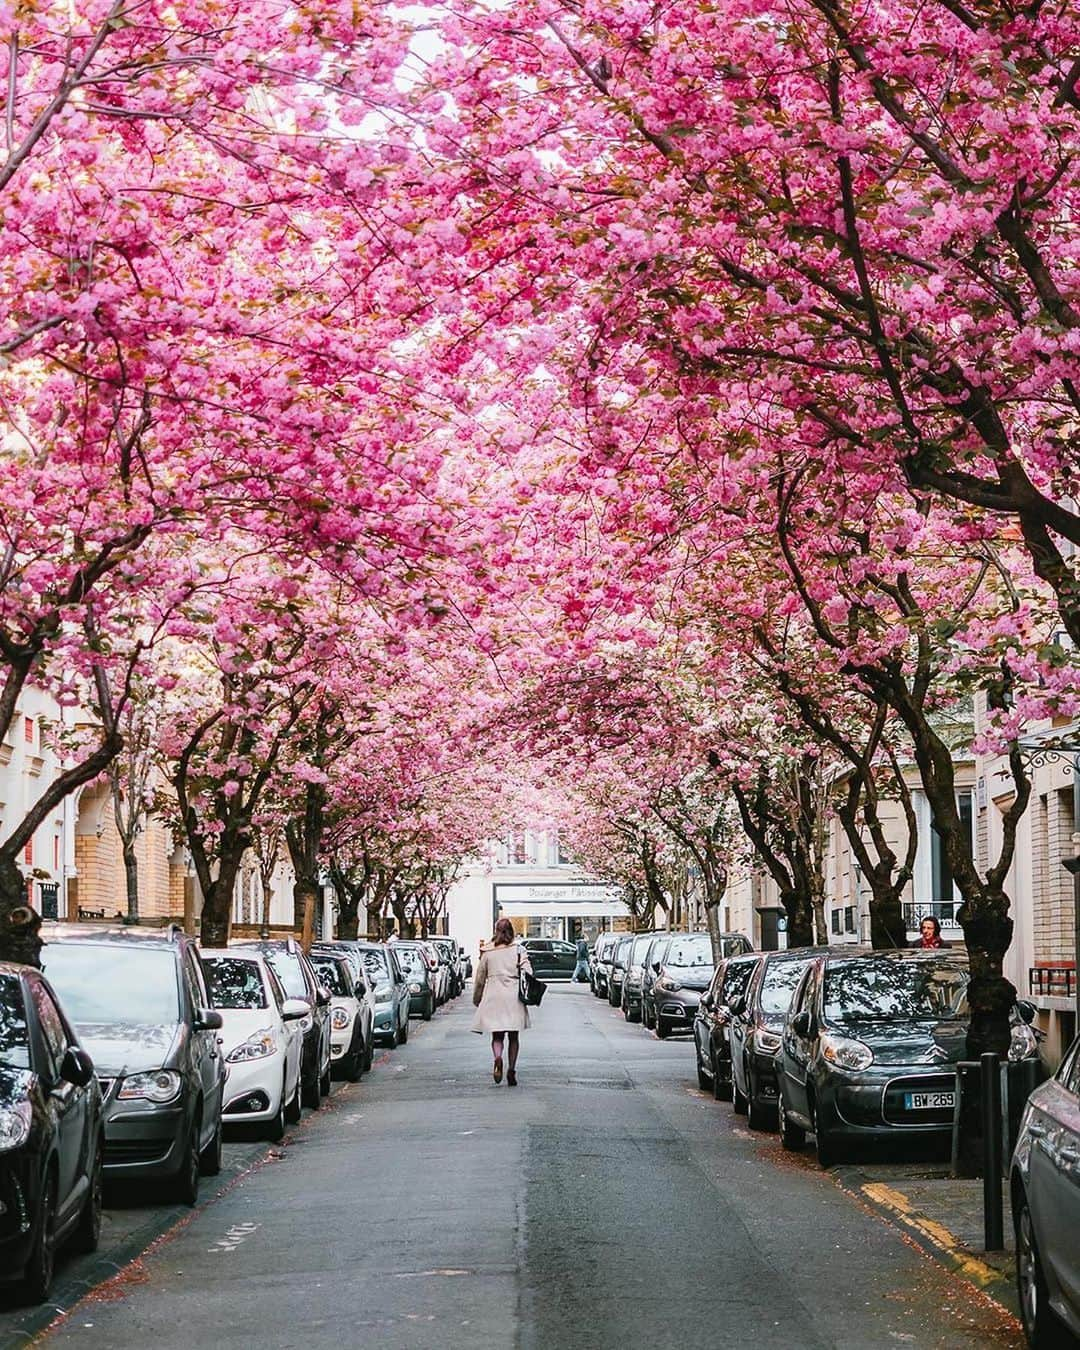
(978, 1272)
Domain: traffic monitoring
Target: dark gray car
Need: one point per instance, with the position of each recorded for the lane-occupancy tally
(415, 959)
(1046, 1207)
(140, 1006)
(685, 973)
(870, 1044)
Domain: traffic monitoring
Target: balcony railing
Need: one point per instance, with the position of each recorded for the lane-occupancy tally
(943, 910)
(1052, 981)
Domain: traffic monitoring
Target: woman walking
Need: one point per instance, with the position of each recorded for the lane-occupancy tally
(499, 1010)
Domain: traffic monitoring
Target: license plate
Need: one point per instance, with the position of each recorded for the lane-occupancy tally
(929, 1101)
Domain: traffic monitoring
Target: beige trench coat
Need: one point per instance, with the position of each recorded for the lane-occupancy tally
(495, 991)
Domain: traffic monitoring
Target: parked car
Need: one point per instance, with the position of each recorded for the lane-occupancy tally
(630, 998)
(362, 987)
(421, 967)
(288, 962)
(52, 1141)
(600, 963)
(551, 958)
(620, 955)
(1045, 1184)
(261, 1040)
(140, 1006)
(391, 992)
(444, 972)
(351, 1022)
(654, 958)
(869, 1046)
(755, 1029)
(711, 1045)
(448, 952)
(683, 976)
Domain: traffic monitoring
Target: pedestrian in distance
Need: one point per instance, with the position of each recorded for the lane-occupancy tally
(930, 933)
(499, 1010)
(581, 970)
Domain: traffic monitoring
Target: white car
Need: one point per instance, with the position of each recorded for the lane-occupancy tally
(261, 1040)
(350, 1029)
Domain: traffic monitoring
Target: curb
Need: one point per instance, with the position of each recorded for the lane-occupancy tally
(933, 1239)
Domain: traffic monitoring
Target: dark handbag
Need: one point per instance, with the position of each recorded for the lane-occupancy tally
(530, 989)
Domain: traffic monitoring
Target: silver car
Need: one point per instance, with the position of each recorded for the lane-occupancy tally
(1045, 1185)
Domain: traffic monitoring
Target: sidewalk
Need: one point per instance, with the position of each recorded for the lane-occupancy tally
(942, 1215)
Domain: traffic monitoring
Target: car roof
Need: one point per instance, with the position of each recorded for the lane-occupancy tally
(957, 954)
(113, 937)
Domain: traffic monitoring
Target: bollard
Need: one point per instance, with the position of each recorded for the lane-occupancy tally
(993, 1217)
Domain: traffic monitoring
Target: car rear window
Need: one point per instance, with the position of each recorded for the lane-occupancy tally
(14, 1034)
(377, 965)
(736, 978)
(287, 968)
(332, 974)
(106, 984)
(872, 990)
(690, 951)
(779, 983)
(234, 983)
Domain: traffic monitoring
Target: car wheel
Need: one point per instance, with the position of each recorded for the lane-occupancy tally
(1041, 1325)
(354, 1065)
(210, 1158)
(613, 998)
(313, 1091)
(429, 1008)
(404, 1035)
(721, 1089)
(324, 1081)
(792, 1136)
(369, 1052)
(38, 1271)
(186, 1185)
(828, 1152)
(292, 1109)
(88, 1233)
(759, 1116)
(703, 1080)
(647, 1017)
(276, 1128)
(633, 1014)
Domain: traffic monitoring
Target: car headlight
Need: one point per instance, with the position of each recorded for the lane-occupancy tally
(1023, 1043)
(383, 993)
(766, 1042)
(666, 982)
(159, 1085)
(415, 988)
(257, 1046)
(846, 1052)
(339, 1019)
(15, 1126)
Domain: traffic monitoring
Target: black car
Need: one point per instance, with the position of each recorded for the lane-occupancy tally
(654, 960)
(551, 958)
(711, 1044)
(449, 954)
(417, 962)
(754, 1031)
(681, 978)
(870, 1044)
(286, 959)
(139, 1003)
(616, 971)
(52, 1144)
(600, 963)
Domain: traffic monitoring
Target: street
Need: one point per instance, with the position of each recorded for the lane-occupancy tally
(605, 1202)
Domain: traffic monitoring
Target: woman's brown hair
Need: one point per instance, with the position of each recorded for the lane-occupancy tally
(504, 933)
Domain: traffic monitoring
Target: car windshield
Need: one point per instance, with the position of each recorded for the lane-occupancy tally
(779, 983)
(101, 983)
(641, 946)
(693, 951)
(234, 983)
(411, 958)
(377, 966)
(289, 971)
(332, 974)
(896, 991)
(14, 1034)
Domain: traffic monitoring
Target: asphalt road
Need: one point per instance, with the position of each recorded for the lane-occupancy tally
(604, 1202)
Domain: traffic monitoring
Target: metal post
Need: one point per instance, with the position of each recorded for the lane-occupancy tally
(993, 1217)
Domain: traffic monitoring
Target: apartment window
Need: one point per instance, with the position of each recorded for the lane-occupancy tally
(56, 853)
(849, 919)
(515, 848)
(942, 879)
(562, 853)
(28, 730)
(837, 917)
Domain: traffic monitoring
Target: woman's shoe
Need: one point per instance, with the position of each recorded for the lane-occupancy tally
(511, 1078)
(497, 1071)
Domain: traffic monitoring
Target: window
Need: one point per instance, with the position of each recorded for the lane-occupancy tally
(14, 1033)
(28, 730)
(515, 848)
(56, 853)
(836, 921)
(563, 856)
(849, 919)
(941, 875)
(234, 983)
(52, 1026)
(103, 983)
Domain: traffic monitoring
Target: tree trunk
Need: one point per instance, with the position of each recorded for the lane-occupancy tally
(348, 921)
(19, 923)
(887, 927)
(216, 922)
(988, 933)
(800, 922)
(267, 897)
(305, 900)
(131, 880)
(712, 922)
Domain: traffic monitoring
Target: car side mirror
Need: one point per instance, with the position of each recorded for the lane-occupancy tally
(208, 1019)
(656, 967)
(737, 1006)
(800, 1023)
(707, 1002)
(1026, 1011)
(76, 1068)
(293, 1009)
(322, 995)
